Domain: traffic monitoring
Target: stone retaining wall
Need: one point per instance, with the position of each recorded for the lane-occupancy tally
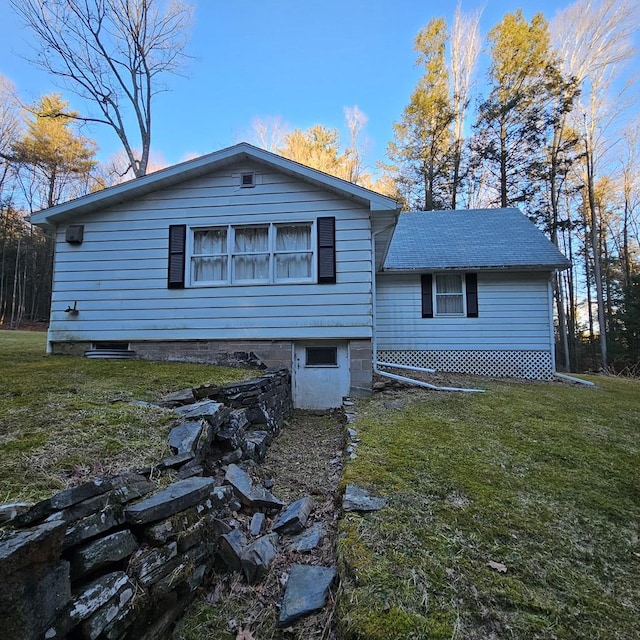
(118, 558)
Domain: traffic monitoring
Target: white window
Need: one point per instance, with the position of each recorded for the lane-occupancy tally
(251, 257)
(253, 254)
(209, 260)
(449, 294)
(293, 253)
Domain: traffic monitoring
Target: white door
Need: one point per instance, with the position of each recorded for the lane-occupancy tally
(320, 374)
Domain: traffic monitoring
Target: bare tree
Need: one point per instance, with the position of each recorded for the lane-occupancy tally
(111, 52)
(9, 127)
(268, 133)
(465, 43)
(594, 41)
(355, 120)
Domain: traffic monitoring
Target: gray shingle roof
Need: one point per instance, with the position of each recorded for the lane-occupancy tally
(470, 239)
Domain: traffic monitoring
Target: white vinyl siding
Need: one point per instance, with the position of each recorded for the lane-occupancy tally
(514, 313)
(118, 275)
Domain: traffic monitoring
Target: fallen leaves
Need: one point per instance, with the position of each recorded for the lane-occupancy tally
(497, 566)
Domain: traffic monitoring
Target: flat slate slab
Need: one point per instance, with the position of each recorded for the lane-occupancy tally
(39, 545)
(309, 539)
(185, 436)
(250, 496)
(294, 517)
(171, 462)
(257, 522)
(97, 593)
(175, 498)
(102, 552)
(206, 409)
(93, 525)
(306, 592)
(257, 557)
(10, 511)
(232, 545)
(63, 500)
(357, 499)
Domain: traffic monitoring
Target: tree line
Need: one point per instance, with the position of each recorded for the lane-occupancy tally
(113, 55)
(553, 130)
(549, 127)
(556, 133)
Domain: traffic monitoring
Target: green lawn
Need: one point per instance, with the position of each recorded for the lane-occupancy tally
(65, 418)
(541, 478)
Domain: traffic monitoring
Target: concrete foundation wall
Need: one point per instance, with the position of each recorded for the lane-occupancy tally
(361, 364)
(271, 354)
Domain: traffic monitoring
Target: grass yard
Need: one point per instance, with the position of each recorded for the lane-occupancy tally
(542, 480)
(65, 418)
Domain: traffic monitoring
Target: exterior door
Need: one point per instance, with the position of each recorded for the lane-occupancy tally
(321, 375)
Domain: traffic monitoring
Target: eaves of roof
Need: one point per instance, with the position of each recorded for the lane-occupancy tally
(203, 165)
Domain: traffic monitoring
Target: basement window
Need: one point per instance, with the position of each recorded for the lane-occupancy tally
(322, 357)
(110, 346)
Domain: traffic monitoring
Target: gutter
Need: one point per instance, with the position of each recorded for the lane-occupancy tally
(376, 364)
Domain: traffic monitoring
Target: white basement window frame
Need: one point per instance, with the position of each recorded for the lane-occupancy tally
(270, 253)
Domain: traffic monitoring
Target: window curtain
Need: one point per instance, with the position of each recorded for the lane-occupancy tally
(449, 294)
(293, 252)
(251, 254)
(210, 255)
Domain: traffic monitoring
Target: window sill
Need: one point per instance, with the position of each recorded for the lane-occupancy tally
(247, 283)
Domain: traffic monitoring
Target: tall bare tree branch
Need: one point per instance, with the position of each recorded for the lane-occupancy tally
(112, 53)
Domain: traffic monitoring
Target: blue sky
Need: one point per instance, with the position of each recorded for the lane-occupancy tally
(300, 60)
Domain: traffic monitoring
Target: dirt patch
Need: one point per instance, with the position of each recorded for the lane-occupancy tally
(304, 460)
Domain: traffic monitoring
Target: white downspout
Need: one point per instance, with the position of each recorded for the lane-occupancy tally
(374, 342)
(562, 376)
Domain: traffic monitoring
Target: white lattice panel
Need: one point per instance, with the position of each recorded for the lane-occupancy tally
(532, 365)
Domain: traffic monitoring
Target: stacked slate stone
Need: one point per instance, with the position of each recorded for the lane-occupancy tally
(116, 558)
(95, 561)
(224, 425)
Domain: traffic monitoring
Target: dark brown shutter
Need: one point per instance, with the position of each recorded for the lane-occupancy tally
(326, 250)
(177, 250)
(472, 295)
(427, 295)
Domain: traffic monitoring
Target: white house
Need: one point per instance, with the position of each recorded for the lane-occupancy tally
(243, 255)
(468, 291)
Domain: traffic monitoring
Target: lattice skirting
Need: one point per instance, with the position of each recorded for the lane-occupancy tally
(532, 365)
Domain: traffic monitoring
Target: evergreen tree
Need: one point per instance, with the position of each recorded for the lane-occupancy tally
(422, 146)
(509, 130)
(56, 159)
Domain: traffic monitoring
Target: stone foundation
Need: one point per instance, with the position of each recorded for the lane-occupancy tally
(258, 353)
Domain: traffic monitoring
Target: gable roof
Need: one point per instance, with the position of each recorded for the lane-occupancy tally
(201, 166)
(478, 239)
